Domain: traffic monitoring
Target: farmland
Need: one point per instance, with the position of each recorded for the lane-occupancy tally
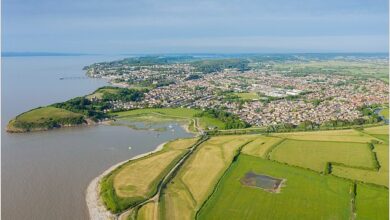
(124, 187)
(349, 135)
(316, 154)
(186, 193)
(231, 200)
(372, 202)
(320, 175)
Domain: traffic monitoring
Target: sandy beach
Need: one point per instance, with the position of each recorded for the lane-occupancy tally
(96, 209)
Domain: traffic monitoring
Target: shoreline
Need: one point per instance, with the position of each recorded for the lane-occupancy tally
(88, 124)
(96, 208)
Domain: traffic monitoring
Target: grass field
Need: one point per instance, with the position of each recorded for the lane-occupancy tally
(172, 113)
(247, 95)
(207, 185)
(98, 94)
(380, 132)
(136, 180)
(316, 154)
(43, 114)
(260, 146)
(333, 135)
(195, 180)
(380, 177)
(148, 212)
(372, 202)
(44, 118)
(306, 195)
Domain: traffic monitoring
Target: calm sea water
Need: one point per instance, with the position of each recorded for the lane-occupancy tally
(45, 174)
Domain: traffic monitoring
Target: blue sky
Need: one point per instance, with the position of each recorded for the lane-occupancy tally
(182, 26)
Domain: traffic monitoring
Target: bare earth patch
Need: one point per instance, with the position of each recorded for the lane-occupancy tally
(267, 183)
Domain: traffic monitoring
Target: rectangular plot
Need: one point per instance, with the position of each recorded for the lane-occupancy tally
(306, 195)
(315, 154)
(380, 177)
(333, 135)
(372, 202)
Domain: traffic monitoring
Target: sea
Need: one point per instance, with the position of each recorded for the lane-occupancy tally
(44, 175)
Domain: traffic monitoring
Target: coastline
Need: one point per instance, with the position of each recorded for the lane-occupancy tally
(96, 208)
(88, 123)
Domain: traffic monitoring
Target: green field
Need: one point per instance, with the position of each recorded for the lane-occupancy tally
(316, 154)
(306, 195)
(261, 146)
(248, 95)
(98, 94)
(349, 135)
(44, 118)
(326, 175)
(186, 114)
(372, 202)
(365, 69)
(195, 180)
(380, 177)
(380, 132)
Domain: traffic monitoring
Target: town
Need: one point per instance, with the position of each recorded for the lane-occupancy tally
(260, 96)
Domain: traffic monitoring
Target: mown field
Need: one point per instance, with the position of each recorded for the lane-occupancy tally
(327, 175)
(316, 154)
(372, 202)
(185, 194)
(380, 176)
(137, 180)
(349, 135)
(306, 195)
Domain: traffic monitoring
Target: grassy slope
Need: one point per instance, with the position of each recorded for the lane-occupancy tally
(99, 93)
(194, 182)
(38, 117)
(315, 154)
(306, 195)
(372, 202)
(134, 181)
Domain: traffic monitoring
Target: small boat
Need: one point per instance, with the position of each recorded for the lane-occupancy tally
(129, 148)
(170, 126)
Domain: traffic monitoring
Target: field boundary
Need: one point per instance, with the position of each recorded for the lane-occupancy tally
(216, 186)
(353, 200)
(268, 152)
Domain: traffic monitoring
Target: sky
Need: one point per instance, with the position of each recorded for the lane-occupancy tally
(197, 26)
